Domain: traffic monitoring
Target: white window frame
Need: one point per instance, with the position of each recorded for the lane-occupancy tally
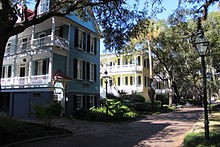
(6, 71)
(25, 73)
(9, 46)
(79, 69)
(80, 40)
(40, 66)
(91, 72)
(92, 44)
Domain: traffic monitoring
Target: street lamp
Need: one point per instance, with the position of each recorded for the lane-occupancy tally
(106, 77)
(201, 45)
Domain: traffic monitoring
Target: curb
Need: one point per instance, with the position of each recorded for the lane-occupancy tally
(35, 139)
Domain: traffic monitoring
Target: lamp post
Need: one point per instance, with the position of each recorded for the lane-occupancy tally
(201, 45)
(106, 77)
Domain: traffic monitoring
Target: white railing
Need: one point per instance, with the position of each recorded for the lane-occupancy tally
(125, 68)
(162, 91)
(25, 81)
(39, 43)
(48, 41)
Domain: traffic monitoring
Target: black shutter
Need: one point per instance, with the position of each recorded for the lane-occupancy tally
(76, 37)
(84, 70)
(35, 67)
(95, 66)
(87, 71)
(75, 68)
(88, 43)
(95, 50)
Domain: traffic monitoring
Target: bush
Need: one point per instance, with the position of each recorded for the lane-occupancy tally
(134, 98)
(48, 113)
(116, 111)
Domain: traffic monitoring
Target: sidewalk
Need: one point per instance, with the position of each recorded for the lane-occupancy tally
(214, 123)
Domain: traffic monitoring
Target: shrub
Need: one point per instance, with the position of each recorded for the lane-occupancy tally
(134, 98)
(116, 111)
(48, 113)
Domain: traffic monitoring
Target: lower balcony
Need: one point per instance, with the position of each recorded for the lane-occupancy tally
(31, 81)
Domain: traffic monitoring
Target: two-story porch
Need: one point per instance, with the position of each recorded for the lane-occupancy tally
(31, 59)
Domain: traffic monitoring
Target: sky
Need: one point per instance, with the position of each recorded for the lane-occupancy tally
(170, 6)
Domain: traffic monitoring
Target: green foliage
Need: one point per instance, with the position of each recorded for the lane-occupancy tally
(134, 98)
(12, 130)
(48, 113)
(197, 140)
(116, 111)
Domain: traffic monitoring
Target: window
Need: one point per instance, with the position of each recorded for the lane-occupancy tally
(82, 40)
(91, 101)
(6, 72)
(118, 61)
(110, 64)
(139, 80)
(91, 72)
(24, 43)
(41, 67)
(131, 80)
(119, 81)
(125, 61)
(8, 49)
(126, 80)
(93, 45)
(79, 102)
(79, 69)
(139, 60)
(22, 71)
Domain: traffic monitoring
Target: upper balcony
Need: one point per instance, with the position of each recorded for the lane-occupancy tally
(125, 68)
(38, 43)
(28, 81)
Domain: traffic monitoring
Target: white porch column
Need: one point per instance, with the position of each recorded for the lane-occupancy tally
(120, 61)
(53, 29)
(68, 58)
(150, 60)
(50, 67)
(29, 70)
(13, 74)
(32, 36)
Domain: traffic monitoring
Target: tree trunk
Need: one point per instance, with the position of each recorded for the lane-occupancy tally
(170, 93)
(3, 42)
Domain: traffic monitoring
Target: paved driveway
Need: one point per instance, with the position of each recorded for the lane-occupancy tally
(165, 130)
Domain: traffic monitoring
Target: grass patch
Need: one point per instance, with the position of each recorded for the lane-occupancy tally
(195, 139)
(13, 131)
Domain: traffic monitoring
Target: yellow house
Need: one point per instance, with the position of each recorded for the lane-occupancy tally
(125, 73)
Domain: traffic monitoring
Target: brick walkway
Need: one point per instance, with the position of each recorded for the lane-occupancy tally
(165, 130)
